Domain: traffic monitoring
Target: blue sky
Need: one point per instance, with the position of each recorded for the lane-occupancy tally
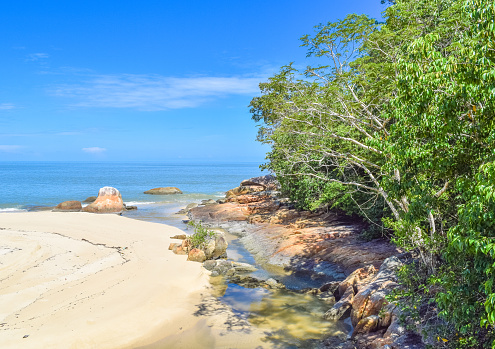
(146, 80)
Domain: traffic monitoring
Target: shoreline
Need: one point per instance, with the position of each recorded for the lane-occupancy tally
(84, 280)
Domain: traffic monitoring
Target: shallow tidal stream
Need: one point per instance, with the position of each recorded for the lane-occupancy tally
(281, 318)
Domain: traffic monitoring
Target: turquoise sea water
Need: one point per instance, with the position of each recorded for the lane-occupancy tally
(24, 185)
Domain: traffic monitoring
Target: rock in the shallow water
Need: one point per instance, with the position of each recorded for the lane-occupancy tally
(109, 201)
(163, 191)
(130, 208)
(243, 267)
(90, 199)
(196, 255)
(272, 283)
(68, 206)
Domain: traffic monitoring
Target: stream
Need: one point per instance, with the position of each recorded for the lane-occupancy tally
(284, 318)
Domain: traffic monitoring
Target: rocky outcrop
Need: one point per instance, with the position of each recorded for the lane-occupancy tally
(266, 182)
(68, 206)
(109, 201)
(322, 243)
(163, 191)
(362, 297)
(371, 299)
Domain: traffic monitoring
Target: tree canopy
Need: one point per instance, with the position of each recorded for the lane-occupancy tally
(395, 122)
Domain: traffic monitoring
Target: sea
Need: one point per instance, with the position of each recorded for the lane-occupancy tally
(28, 186)
(35, 186)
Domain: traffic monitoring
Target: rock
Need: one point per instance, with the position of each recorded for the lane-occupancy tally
(284, 215)
(361, 275)
(230, 272)
(366, 325)
(174, 245)
(186, 245)
(216, 246)
(263, 207)
(268, 182)
(220, 246)
(130, 208)
(163, 191)
(327, 297)
(179, 237)
(208, 202)
(272, 283)
(177, 249)
(342, 309)
(210, 265)
(90, 199)
(186, 209)
(242, 190)
(68, 206)
(370, 299)
(196, 255)
(109, 201)
(243, 267)
(219, 267)
(330, 287)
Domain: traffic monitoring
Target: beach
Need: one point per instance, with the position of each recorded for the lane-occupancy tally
(80, 280)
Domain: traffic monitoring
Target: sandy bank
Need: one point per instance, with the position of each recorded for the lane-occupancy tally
(79, 280)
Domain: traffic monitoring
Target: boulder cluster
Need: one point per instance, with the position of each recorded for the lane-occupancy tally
(109, 200)
(215, 247)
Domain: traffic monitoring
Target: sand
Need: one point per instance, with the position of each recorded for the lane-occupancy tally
(81, 280)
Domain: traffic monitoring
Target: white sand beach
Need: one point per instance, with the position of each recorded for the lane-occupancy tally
(81, 280)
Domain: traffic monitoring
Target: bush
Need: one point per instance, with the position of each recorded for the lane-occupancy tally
(201, 235)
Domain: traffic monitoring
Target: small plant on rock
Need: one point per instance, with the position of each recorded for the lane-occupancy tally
(201, 235)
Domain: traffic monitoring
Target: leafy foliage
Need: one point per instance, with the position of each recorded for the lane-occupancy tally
(201, 236)
(397, 124)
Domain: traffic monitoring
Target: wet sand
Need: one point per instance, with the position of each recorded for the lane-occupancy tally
(80, 280)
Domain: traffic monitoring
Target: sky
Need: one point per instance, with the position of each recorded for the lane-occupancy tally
(151, 80)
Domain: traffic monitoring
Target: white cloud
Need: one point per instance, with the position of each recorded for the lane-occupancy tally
(6, 106)
(154, 92)
(94, 150)
(10, 148)
(36, 56)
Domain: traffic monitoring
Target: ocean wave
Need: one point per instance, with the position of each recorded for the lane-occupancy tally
(134, 203)
(11, 209)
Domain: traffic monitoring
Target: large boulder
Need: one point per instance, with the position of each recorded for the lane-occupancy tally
(109, 201)
(268, 182)
(163, 191)
(216, 247)
(68, 206)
